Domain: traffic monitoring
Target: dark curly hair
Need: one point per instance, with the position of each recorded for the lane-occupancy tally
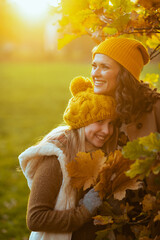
(133, 97)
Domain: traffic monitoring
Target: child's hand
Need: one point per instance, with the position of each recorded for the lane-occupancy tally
(92, 200)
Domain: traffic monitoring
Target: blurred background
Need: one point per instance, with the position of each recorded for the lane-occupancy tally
(34, 81)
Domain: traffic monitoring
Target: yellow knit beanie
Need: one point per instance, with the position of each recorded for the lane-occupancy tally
(86, 107)
(130, 53)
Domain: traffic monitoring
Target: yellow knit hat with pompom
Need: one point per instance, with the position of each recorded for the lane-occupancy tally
(86, 107)
(130, 53)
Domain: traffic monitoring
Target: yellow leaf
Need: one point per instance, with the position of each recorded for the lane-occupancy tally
(65, 40)
(85, 169)
(153, 41)
(102, 220)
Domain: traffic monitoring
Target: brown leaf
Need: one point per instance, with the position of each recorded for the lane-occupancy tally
(149, 3)
(85, 169)
(153, 182)
(113, 179)
(148, 202)
(157, 217)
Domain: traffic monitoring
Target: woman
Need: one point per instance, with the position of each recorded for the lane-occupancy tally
(116, 67)
(53, 211)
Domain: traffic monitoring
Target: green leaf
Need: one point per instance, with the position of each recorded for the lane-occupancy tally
(133, 150)
(121, 22)
(151, 142)
(110, 31)
(141, 167)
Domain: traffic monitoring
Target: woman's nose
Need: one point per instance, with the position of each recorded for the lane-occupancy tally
(96, 72)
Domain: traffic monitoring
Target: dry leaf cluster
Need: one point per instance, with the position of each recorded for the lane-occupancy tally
(107, 175)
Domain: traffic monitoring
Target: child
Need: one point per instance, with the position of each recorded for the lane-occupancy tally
(53, 211)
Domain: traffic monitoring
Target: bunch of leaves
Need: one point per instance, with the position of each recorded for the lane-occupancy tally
(113, 180)
(106, 175)
(102, 19)
(139, 214)
(116, 178)
(146, 153)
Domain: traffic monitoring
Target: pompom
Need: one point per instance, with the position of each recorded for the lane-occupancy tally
(80, 84)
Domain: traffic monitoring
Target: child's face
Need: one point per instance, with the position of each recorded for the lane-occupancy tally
(98, 133)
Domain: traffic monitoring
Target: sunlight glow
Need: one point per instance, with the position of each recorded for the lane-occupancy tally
(110, 3)
(33, 10)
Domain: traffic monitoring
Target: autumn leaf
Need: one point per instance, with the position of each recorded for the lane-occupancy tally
(113, 179)
(157, 217)
(148, 202)
(133, 150)
(145, 151)
(102, 220)
(151, 142)
(65, 40)
(149, 3)
(85, 168)
(153, 182)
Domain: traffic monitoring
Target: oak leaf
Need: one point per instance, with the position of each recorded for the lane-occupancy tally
(85, 168)
(113, 179)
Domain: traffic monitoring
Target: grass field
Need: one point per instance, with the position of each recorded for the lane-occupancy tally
(33, 97)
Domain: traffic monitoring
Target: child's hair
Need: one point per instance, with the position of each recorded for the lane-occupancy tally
(71, 141)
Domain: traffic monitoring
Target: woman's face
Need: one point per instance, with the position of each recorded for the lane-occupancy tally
(98, 133)
(104, 74)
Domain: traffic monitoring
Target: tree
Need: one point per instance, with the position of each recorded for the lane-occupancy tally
(102, 19)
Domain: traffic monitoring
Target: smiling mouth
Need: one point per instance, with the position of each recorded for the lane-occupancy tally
(99, 82)
(101, 138)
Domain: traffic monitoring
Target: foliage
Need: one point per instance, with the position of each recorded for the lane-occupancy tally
(146, 153)
(77, 169)
(106, 174)
(110, 18)
(101, 19)
(113, 180)
(116, 180)
(141, 220)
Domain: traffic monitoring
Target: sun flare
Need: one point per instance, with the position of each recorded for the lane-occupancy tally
(33, 10)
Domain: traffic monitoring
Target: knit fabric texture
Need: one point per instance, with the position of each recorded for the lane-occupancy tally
(86, 107)
(130, 53)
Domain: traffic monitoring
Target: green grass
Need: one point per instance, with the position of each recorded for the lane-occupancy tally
(33, 97)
